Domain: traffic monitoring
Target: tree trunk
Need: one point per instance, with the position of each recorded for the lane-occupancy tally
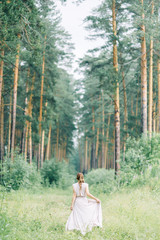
(143, 78)
(30, 143)
(93, 156)
(30, 106)
(150, 83)
(100, 159)
(86, 154)
(27, 123)
(65, 147)
(15, 99)
(26, 141)
(9, 127)
(97, 140)
(158, 76)
(125, 102)
(132, 103)
(103, 148)
(41, 104)
(57, 141)
(89, 157)
(132, 111)
(107, 140)
(137, 122)
(1, 75)
(79, 150)
(61, 152)
(116, 98)
(113, 151)
(97, 145)
(42, 148)
(26, 113)
(154, 116)
(49, 144)
(125, 114)
(42, 143)
(2, 129)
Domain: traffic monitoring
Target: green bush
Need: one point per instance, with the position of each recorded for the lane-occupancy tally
(101, 180)
(56, 174)
(18, 173)
(141, 160)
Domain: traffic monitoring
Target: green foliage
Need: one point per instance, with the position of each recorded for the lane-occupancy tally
(56, 174)
(19, 173)
(141, 160)
(101, 180)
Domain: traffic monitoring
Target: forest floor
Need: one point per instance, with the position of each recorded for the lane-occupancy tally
(42, 214)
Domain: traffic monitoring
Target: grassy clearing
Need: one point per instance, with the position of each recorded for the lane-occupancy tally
(129, 214)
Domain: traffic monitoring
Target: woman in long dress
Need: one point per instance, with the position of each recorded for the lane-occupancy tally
(86, 213)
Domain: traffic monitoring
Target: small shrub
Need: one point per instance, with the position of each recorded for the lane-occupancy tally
(56, 174)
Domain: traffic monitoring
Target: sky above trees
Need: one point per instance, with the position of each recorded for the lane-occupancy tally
(73, 16)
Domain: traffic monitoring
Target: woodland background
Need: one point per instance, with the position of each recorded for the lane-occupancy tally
(105, 124)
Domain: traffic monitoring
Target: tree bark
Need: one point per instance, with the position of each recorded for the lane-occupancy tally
(42, 148)
(25, 112)
(30, 143)
(48, 144)
(97, 144)
(143, 78)
(41, 104)
(89, 157)
(103, 148)
(1, 75)
(158, 112)
(57, 142)
(30, 114)
(125, 114)
(86, 154)
(150, 82)
(137, 122)
(2, 129)
(93, 156)
(79, 150)
(42, 143)
(15, 99)
(97, 141)
(154, 115)
(116, 98)
(27, 123)
(26, 141)
(9, 127)
(107, 140)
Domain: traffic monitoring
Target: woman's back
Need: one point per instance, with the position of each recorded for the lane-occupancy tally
(80, 190)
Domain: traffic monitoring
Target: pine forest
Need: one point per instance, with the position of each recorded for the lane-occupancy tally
(104, 123)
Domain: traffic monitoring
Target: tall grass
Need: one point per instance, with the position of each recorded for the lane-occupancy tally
(127, 214)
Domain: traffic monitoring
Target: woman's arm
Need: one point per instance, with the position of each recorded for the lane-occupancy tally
(90, 195)
(73, 199)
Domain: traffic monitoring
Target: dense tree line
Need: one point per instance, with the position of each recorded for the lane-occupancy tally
(36, 94)
(121, 87)
(118, 97)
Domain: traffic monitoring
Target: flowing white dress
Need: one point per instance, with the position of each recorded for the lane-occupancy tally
(86, 213)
